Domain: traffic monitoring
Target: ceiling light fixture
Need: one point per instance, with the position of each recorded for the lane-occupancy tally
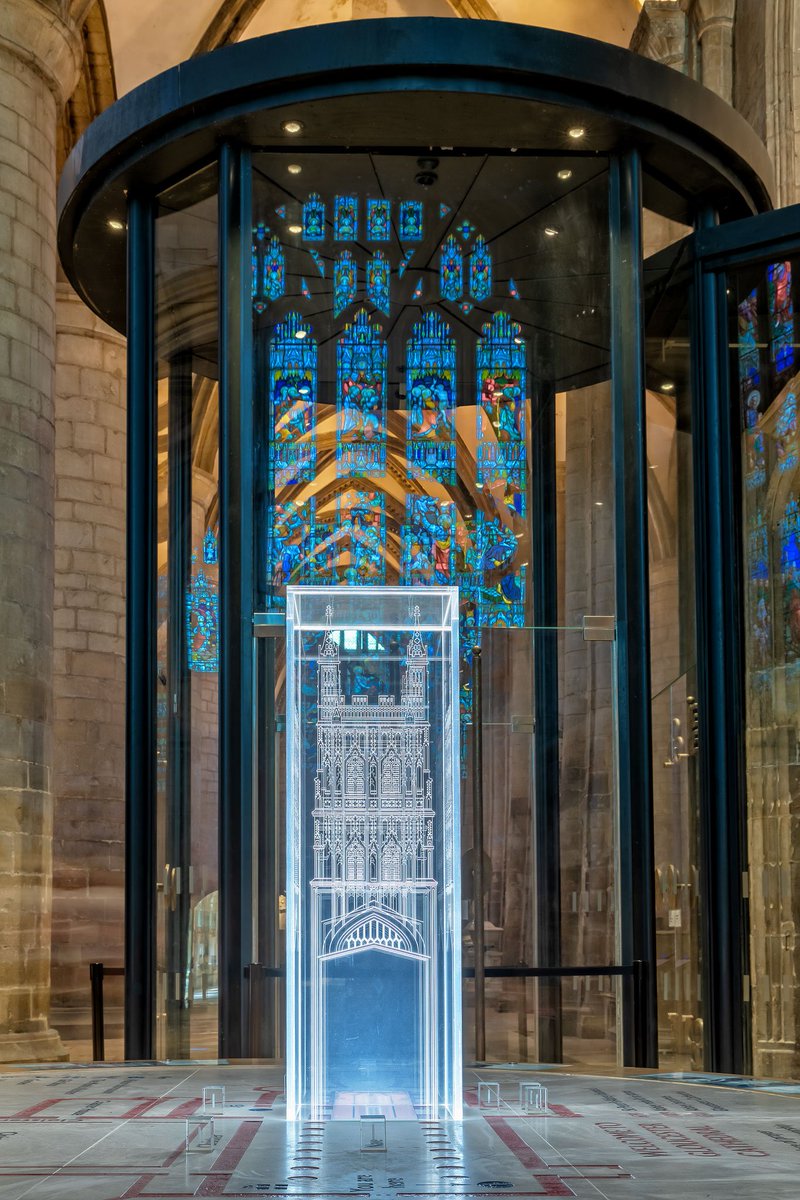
(550, 231)
(668, 386)
(295, 229)
(294, 168)
(565, 173)
(301, 333)
(576, 132)
(116, 224)
(292, 127)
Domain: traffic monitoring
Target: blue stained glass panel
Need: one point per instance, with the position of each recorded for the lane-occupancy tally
(451, 270)
(361, 536)
(291, 527)
(480, 271)
(786, 434)
(411, 221)
(431, 355)
(379, 281)
(789, 533)
(500, 369)
(274, 270)
(319, 261)
(781, 315)
(345, 282)
(314, 219)
(210, 548)
(293, 398)
(361, 399)
(749, 363)
(513, 290)
(202, 623)
(418, 289)
(345, 218)
(429, 540)
(403, 265)
(379, 220)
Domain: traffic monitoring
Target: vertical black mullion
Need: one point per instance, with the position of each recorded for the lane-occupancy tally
(720, 615)
(179, 559)
(634, 741)
(236, 597)
(547, 823)
(140, 628)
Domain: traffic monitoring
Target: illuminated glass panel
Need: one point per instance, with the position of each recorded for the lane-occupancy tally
(314, 219)
(361, 399)
(786, 434)
(378, 281)
(379, 220)
(411, 221)
(345, 218)
(202, 623)
(429, 541)
(789, 533)
(781, 315)
(361, 536)
(274, 270)
(345, 282)
(431, 355)
(293, 397)
(500, 368)
(373, 851)
(480, 271)
(451, 270)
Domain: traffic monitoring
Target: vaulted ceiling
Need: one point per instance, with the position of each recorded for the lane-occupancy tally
(148, 36)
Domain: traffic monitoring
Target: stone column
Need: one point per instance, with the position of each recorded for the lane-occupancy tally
(661, 33)
(89, 660)
(40, 56)
(714, 23)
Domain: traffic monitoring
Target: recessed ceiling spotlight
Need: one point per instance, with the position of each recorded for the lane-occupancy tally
(301, 333)
(598, 503)
(292, 127)
(667, 386)
(295, 229)
(576, 132)
(550, 231)
(116, 225)
(565, 173)
(294, 168)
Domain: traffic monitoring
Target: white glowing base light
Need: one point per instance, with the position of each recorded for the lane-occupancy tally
(373, 853)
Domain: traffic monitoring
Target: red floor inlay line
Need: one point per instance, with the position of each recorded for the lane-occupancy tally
(32, 1111)
(229, 1159)
(525, 1154)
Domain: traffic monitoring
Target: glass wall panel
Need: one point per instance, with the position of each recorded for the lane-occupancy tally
(673, 644)
(431, 375)
(188, 641)
(763, 377)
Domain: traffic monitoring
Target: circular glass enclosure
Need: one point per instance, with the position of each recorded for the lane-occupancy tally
(408, 304)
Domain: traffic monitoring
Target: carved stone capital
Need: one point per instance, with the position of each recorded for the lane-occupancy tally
(41, 34)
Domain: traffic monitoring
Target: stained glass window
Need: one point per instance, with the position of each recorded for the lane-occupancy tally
(274, 270)
(202, 623)
(314, 218)
(361, 399)
(257, 258)
(749, 364)
(480, 271)
(378, 281)
(411, 227)
(758, 565)
(429, 541)
(345, 282)
(498, 587)
(379, 220)
(319, 261)
(361, 536)
(465, 229)
(431, 398)
(789, 532)
(293, 396)
(345, 218)
(781, 315)
(451, 270)
(291, 530)
(403, 264)
(500, 363)
(210, 548)
(786, 434)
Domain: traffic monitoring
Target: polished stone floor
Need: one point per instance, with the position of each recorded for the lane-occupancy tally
(112, 1132)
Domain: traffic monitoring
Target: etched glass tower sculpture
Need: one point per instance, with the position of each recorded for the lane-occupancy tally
(373, 930)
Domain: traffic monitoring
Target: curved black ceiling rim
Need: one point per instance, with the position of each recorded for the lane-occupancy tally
(479, 71)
